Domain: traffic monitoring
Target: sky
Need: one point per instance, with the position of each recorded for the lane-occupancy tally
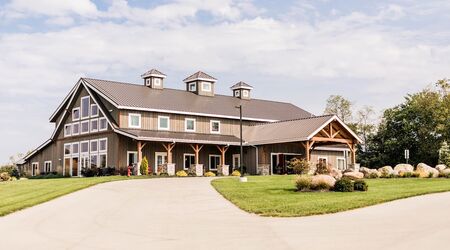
(371, 52)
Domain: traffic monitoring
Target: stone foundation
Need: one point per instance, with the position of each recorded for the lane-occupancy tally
(263, 169)
(223, 170)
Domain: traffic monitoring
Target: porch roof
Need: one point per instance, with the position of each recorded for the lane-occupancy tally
(167, 136)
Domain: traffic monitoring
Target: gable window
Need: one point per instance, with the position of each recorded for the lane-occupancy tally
(103, 145)
(84, 127)
(163, 123)
(67, 130)
(94, 110)
(85, 105)
(189, 125)
(206, 86)
(103, 125)
(215, 127)
(157, 82)
(84, 145)
(76, 128)
(67, 148)
(134, 120)
(48, 166)
(94, 146)
(214, 161)
(94, 125)
(189, 160)
(192, 86)
(75, 148)
(75, 114)
(245, 93)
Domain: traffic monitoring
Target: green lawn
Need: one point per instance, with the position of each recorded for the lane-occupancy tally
(276, 196)
(16, 195)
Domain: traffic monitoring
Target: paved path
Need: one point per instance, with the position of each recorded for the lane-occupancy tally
(187, 213)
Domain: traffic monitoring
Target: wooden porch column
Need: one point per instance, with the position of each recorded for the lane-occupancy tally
(196, 149)
(223, 150)
(352, 148)
(307, 146)
(140, 146)
(169, 147)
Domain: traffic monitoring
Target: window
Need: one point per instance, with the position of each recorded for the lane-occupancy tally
(340, 163)
(147, 82)
(163, 123)
(94, 146)
(84, 145)
(214, 161)
(215, 127)
(94, 125)
(245, 93)
(189, 125)
(192, 86)
(94, 110)
(323, 160)
(102, 162)
(134, 120)
(189, 160)
(75, 148)
(84, 127)
(157, 82)
(237, 93)
(94, 161)
(103, 124)
(76, 128)
(206, 86)
(103, 145)
(75, 114)
(67, 148)
(67, 130)
(48, 166)
(85, 105)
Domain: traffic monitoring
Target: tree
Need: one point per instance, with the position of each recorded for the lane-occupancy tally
(339, 106)
(144, 166)
(444, 154)
(364, 124)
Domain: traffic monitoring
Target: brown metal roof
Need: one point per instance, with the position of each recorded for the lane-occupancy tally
(166, 136)
(199, 75)
(153, 72)
(241, 84)
(133, 96)
(285, 131)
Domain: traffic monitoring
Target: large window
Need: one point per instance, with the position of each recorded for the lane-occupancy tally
(84, 145)
(94, 146)
(67, 130)
(206, 86)
(103, 124)
(189, 160)
(94, 125)
(84, 127)
(76, 128)
(48, 166)
(134, 120)
(103, 160)
(75, 148)
(214, 161)
(189, 125)
(94, 160)
(85, 105)
(75, 114)
(103, 145)
(215, 127)
(94, 110)
(67, 149)
(163, 123)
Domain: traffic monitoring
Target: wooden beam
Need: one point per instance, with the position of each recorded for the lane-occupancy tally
(331, 140)
(331, 128)
(326, 133)
(223, 150)
(196, 149)
(308, 157)
(335, 134)
(169, 147)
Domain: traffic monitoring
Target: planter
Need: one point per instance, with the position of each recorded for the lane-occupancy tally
(199, 169)
(223, 170)
(171, 169)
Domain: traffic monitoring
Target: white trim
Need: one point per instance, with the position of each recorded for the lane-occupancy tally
(71, 149)
(323, 158)
(152, 75)
(128, 156)
(90, 159)
(99, 123)
(211, 127)
(130, 123)
(175, 111)
(237, 93)
(70, 130)
(33, 169)
(81, 107)
(192, 84)
(159, 122)
(90, 146)
(334, 118)
(79, 114)
(70, 95)
(106, 145)
(92, 105)
(239, 162)
(186, 123)
(45, 166)
(337, 162)
(88, 127)
(241, 87)
(200, 79)
(209, 162)
(156, 159)
(245, 93)
(159, 81)
(184, 160)
(332, 149)
(79, 128)
(206, 84)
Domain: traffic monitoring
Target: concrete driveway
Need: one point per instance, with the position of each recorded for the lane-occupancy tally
(187, 213)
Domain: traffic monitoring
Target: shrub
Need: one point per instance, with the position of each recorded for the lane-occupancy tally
(107, 171)
(416, 175)
(299, 166)
(372, 176)
(322, 168)
(303, 182)
(210, 174)
(444, 154)
(47, 176)
(406, 174)
(89, 172)
(181, 173)
(344, 185)
(4, 176)
(361, 185)
(144, 166)
(321, 186)
(236, 173)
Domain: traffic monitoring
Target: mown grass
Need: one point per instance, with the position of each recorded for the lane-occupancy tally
(17, 195)
(276, 196)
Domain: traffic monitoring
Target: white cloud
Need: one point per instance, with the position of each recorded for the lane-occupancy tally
(25, 8)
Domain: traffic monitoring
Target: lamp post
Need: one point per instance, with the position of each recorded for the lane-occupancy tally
(242, 178)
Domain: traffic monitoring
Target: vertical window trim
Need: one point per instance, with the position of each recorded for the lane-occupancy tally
(209, 162)
(159, 122)
(81, 127)
(106, 145)
(70, 130)
(211, 127)
(73, 113)
(130, 124)
(92, 105)
(186, 124)
(33, 170)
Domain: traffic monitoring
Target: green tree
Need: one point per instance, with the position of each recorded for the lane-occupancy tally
(338, 105)
(364, 124)
(144, 166)
(444, 154)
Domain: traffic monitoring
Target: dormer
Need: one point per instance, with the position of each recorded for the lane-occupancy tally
(200, 83)
(154, 79)
(241, 90)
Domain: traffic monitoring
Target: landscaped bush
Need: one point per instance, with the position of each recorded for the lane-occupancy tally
(108, 171)
(444, 175)
(303, 182)
(344, 185)
(236, 173)
(321, 186)
(210, 174)
(11, 170)
(361, 185)
(4, 176)
(144, 166)
(299, 166)
(372, 176)
(52, 175)
(181, 173)
(89, 172)
(322, 168)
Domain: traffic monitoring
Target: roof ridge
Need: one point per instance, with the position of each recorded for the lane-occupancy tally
(295, 119)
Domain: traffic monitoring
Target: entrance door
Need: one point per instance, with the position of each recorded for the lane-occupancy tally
(236, 161)
(67, 167)
(160, 159)
(132, 158)
(75, 166)
(34, 168)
